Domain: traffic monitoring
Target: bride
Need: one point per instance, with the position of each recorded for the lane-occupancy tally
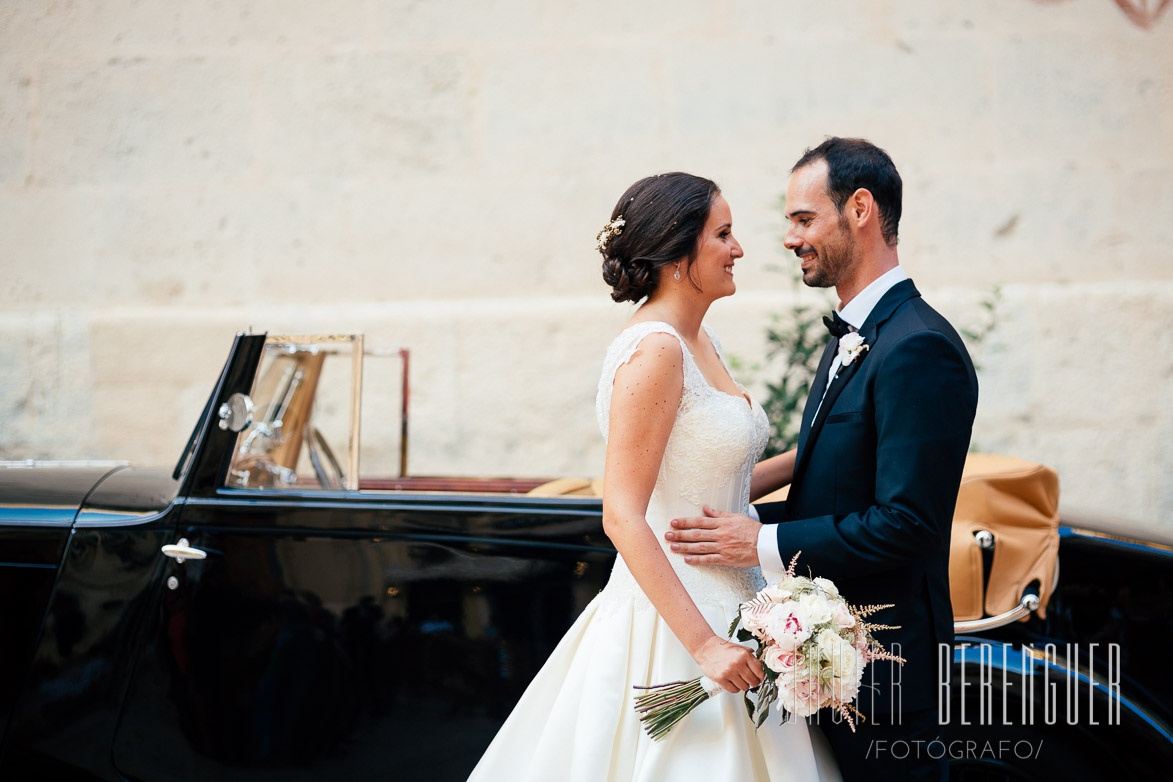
(680, 434)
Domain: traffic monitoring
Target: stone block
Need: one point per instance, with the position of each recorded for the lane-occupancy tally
(685, 21)
(375, 116)
(1074, 386)
(46, 407)
(145, 122)
(152, 372)
(1007, 223)
(15, 129)
(158, 27)
(1063, 109)
(68, 247)
(590, 107)
(1105, 334)
(179, 247)
(489, 24)
(47, 257)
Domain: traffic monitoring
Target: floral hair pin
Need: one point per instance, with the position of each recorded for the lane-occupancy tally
(613, 228)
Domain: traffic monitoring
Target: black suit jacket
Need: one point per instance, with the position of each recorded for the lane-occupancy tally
(876, 481)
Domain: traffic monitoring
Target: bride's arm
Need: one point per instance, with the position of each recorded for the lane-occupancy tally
(772, 474)
(644, 400)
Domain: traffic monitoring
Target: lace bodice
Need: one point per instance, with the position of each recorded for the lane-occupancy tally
(715, 442)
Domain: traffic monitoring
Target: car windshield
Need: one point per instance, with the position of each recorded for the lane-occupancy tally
(300, 433)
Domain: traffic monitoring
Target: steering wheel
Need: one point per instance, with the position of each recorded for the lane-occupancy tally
(327, 470)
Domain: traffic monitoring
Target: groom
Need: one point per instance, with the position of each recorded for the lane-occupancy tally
(883, 440)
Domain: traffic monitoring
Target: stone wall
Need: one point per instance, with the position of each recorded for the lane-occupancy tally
(433, 174)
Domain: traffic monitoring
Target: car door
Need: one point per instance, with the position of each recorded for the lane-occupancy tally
(331, 633)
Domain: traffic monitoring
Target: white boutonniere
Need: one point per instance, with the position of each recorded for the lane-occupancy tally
(851, 347)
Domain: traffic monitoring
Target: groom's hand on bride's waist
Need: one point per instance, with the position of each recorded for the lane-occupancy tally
(717, 538)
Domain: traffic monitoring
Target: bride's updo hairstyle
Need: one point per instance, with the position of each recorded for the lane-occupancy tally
(657, 222)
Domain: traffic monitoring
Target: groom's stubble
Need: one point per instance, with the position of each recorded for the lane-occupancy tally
(835, 258)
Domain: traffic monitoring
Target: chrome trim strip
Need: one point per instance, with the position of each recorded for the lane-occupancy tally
(1025, 606)
(561, 507)
(64, 463)
(1082, 532)
(91, 519)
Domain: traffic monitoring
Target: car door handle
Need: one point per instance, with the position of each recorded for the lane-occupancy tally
(183, 550)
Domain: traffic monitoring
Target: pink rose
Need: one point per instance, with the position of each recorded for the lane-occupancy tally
(844, 690)
(800, 697)
(780, 660)
(842, 617)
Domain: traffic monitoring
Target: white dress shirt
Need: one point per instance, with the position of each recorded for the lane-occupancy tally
(855, 312)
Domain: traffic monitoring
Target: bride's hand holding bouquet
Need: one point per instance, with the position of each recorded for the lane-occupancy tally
(730, 666)
(813, 645)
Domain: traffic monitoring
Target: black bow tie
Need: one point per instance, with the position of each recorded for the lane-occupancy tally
(837, 325)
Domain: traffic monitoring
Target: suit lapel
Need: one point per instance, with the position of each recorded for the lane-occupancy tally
(837, 384)
(817, 386)
(885, 308)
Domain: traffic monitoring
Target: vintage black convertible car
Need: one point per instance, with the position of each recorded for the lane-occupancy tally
(267, 611)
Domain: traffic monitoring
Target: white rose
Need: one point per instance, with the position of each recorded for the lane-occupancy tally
(828, 586)
(756, 619)
(850, 341)
(817, 607)
(775, 593)
(851, 346)
(846, 661)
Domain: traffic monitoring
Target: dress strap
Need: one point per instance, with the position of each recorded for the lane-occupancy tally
(622, 348)
(628, 341)
(715, 340)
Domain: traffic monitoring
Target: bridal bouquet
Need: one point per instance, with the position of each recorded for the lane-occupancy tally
(813, 646)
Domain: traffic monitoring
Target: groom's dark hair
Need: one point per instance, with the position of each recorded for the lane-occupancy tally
(854, 163)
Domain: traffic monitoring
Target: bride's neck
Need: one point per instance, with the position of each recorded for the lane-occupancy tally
(683, 313)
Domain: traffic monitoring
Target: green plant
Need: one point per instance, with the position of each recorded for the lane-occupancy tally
(975, 334)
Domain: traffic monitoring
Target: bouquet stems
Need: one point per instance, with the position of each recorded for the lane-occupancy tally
(664, 705)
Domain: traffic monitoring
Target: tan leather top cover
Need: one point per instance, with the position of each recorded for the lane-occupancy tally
(1018, 503)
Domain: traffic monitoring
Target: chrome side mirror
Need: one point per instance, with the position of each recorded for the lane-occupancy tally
(236, 413)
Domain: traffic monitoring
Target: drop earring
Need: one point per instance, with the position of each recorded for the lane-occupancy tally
(677, 275)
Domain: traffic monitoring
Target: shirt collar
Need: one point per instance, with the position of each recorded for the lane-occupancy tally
(857, 310)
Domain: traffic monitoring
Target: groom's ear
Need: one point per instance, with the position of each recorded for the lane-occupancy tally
(861, 208)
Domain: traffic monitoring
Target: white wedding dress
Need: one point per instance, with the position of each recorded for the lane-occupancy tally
(576, 722)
